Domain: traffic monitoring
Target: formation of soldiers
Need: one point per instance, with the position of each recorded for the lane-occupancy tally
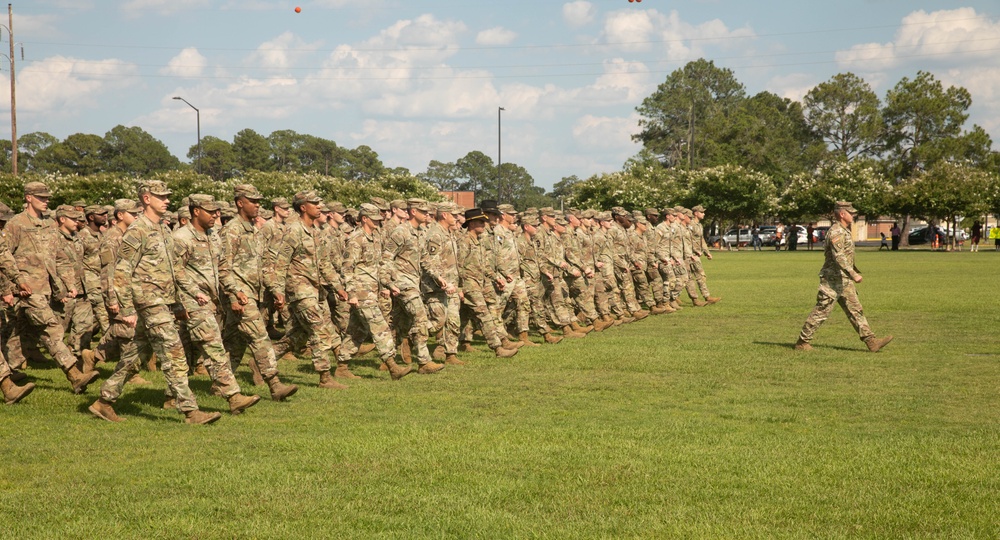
(194, 290)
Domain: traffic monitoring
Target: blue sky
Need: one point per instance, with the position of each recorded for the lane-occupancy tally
(418, 80)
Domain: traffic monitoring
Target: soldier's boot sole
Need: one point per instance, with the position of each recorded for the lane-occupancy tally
(713, 299)
(876, 345)
(104, 411)
(80, 380)
(201, 417)
(326, 381)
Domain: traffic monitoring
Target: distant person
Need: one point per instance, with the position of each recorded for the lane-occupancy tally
(977, 233)
(779, 232)
(755, 239)
(810, 230)
(995, 235)
(894, 232)
(792, 244)
(837, 281)
(884, 244)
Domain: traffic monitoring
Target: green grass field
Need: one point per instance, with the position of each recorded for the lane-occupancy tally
(700, 424)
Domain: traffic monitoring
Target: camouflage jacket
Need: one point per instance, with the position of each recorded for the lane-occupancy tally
(401, 253)
(241, 264)
(505, 252)
(108, 252)
(69, 262)
(199, 254)
(603, 252)
(675, 244)
(441, 261)
(638, 254)
(839, 253)
(91, 260)
(364, 273)
(662, 250)
(550, 250)
(9, 273)
(474, 269)
(33, 244)
(528, 252)
(271, 234)
(332, 250)
(652, 239)
(619, 246)
(585, 247)
(147, 271)
(300, 270)
(571, 245)
(698, 244)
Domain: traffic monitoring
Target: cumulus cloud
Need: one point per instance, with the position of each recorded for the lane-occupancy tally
(65, 84)
(649, 30)
(188, 63)
(495, 36)
(281, 52)
(139, 8)
(935, 36)
(793, 86)
(578, 13)
(606, 132)
(36, 26)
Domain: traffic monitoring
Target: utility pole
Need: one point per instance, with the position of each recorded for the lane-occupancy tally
(13, 97)
(499, 155)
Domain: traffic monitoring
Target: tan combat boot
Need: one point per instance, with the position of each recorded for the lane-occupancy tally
(344, 372)
(439, 353)
(430, 367)
(552, 338)
(280, 390)
(640, 315)
(326, 381)
(79, 379)
(508, 344)
(201, 370)
(580, 329)
(503, 352)
(676, 305)
(405, 351)
(452, 360)
(465, 346)
(712, 299)
(569, 333)
(255, 372)
(396, 371)
(169, 403)
(199, 417)
(657, 310)
(239, 403)
(875, 344)
(802, 345)
(151, 363)
(698, 302)
(137, 379)
(13, 393)
(103, 410)
(365, 348)
(666, 307)
(87, 360)
(215, 390)
(526, 340)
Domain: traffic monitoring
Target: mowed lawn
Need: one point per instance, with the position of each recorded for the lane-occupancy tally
(699, 424)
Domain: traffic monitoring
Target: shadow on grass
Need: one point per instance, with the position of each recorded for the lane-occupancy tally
(791, 346)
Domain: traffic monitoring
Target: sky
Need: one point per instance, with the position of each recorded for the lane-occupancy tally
(422, 80)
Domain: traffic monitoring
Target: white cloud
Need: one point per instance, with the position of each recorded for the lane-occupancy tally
(793, 86)
(188, 63)
(139, 8)
(578, 13)
(495, 36)
(281, 52)
(650, 30)
(36, 26)
(946, 35)
(607, 133)
(60, 84)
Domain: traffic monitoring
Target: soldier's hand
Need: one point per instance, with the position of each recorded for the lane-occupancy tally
(342, 294)
(130, 320)
(24, 290)
(451, 289)
(394, 290)
(242, 298)
(114, 309)
(352, 301)
(575, 272)
(201, 299)
(181, 315)
(548, 275)
(279, 302)
(709, 255)
(237, 307)
(600, 265)
(385, 293)
(71, 293)
(858, 278)
(589, 273)
(510, 279)
(8, 299)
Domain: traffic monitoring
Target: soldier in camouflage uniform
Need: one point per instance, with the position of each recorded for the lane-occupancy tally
(335, 236)
(552, 264)
(579, 255)
(366, 279)
(439, 283)
(97, 221)
(243, 282)
(514, 296)
(33, 242)
(653, 274)
(198, 252)
(13, 284)
(146, 278)
(665, 253)
(836, 283)
(74, 309)
(403, 253)
(639, 259)
(532, 275)
(388, 223)
(618, 237)
(698, 282)
(272, 232)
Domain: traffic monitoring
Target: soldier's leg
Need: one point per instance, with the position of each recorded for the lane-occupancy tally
(851, 305)
(309, 314)
(341, 315)
(100, 313)
(81, 324)
(583, 302)
(122, 336)
(627, 288)
(163, 339)
(254, 331)
(560, 306)
(522, 313)
(697, 274)
(233, 338)
(480, 312)
(655, 284)
(449, 334)
(416, 325)
(601, 301)
(667, 278)
(205, 335)
(368, 320)
(680, 271)
(691, 285)
(643, 294)
(826, 298)
(41, 318)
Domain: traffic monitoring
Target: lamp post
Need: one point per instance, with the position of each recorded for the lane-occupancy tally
(499, 154)
(198, 115)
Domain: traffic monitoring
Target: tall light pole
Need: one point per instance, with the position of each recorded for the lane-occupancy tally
(499, 154)
(13, 100)
(198, 115)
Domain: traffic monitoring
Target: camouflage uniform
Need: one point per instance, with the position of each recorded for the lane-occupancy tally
(528, 256)
(680, 250)
(552, 260)
(476, 271)
(836, 285)
(514, 294)
(579, 255)
(402, 255)
(638, 258)
(697, 281)
(653, 276)
(77, 314)
(620, 246)
(663, 254)
(606, 297)
(92, 277)
(271, 233)
(440, 270)
(9, 275)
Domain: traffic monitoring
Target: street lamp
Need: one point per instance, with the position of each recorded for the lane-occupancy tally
(499, 154)
(198, 115)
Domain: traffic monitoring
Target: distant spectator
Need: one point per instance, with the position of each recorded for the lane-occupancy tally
(884, 243)
(894, 232)
(809, 236)
(995, 235)
(792, 244)
(755, 239)
(977, 233)
(779, 233)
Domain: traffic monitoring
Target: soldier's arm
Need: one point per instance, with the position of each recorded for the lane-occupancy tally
(281, 261)
(351, 253)
(839, 244)
(228, 281)
(128, 257)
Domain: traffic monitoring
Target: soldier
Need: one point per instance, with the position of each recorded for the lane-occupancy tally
(146, 278)
(699, 249)
(514, 296)
(439, 283)
(388, 223)
(552, 264)
(335, 235)
(272, 232)
(836, 283)
(474, 273)
(304, 278)
(530, 272)
(666, 254)
(76, 312)
(653, 275)
(242, 281)
(366, 279)
(198, 252)
(97, 222)
(12, 393)
(619, 240)
(580, 254)
(32, 242)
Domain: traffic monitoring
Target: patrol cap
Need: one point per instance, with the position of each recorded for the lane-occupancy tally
(109, 208)
(309, 196)
(459, 209)
(95, 209)
(652, 212)
(530, 220)
(280, 202)
(67, 211)
(352, 213)
(442, 207)
(698, 208)
(37, 189)
(560, 220)
(264, 213)
(156, 187)
(670, 211)
(474, 214)
(205, 202)
(575, 212)
(398, 203)
(619, 211)
(128, 206)
(507, 209)
(227, 212)
(170, 217)
(547, 211)
(380, 203)
(642, 219)
(688, 213)
(603, 216)
(588, 214)
(337, 206)
(5, 212)
(183, 212)
(418, 204)
(79, 202)
(844, 205)
(371, 211)
(247, 191)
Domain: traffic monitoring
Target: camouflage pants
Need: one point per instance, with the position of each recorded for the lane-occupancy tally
(656, 284)
(669, 280)
(269, 313)
(479, 313)
(313, 315)
(581, 290)
(643, 294)
(514, 300)
(612, 294)
(367, 319)
(101, 319)
(536, 297)
(492, 301)
(412, 322)
(206, 337)
(680, 283)
(627, 288)
(443, 314)
(340, 310)
(248, 329)
(118, 344)
(834, 290)
(78, 319)
(555, 301)
(4, 368)
(158, 323)
(34, 321)
(696, 280)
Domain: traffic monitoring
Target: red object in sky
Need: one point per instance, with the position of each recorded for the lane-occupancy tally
(299, 10)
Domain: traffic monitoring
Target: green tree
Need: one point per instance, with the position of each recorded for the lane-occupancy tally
(285, 147)
(948, 192)
(217, 157)
(734, 194)
(477, 173)
(252, 151)
(29, 145)
(322, 156)
(362, 163)
(845, 112)
(131, 150)
(674, 118)
(441, 175)
(809, 195)
(80, 153)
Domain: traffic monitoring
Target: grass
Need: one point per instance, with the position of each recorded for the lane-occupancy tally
(700, 424)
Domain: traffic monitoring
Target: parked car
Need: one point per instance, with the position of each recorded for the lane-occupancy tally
(767, 233)
(925, 235)
(819, 234)
(802, 236)
(737, 237)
